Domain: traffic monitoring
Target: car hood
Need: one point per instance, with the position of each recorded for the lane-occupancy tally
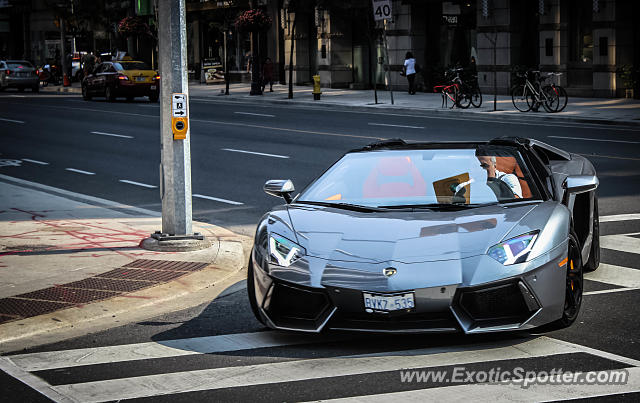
(404, 237)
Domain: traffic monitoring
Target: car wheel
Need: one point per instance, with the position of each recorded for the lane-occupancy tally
(251, 291)
(85, 93)
(573, 287)
(153, 98)
(129, 99)
(35, 88)
(594, 255)
(20, 89)
(108, 93)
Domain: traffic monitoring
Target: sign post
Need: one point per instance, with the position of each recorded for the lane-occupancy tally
(175, 165)
(382, 11)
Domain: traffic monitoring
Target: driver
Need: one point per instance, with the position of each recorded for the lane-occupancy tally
(488, 163)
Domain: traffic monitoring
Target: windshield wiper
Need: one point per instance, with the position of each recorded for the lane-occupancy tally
(438, 206)
(345, 206)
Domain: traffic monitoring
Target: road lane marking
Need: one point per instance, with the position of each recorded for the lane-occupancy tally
(254, 152)
(235, 203)
(112, 135)
(35, 161)
(83, 198)
(620, 242)
(541, 391)
(31, 380)
(283, 129)
(609, 156)
(610, 291)
(619, 217)
(144, 185)
(308, 369)
(587, 139)
(11, 120)
(390, 125)
(80, 171)
(256, 114)
(163, 349)
(616, 275)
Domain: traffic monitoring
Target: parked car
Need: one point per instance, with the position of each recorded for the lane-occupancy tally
(18, 74)
(430, 237)
(128, 79)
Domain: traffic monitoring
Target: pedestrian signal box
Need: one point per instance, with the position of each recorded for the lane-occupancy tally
(179, 116)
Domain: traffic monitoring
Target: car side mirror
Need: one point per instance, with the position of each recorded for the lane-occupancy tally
(580, 183)
(280, 188)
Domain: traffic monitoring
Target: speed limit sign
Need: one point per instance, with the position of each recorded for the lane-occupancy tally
(381, 10)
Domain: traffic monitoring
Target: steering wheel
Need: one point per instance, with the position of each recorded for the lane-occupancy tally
(501, 189)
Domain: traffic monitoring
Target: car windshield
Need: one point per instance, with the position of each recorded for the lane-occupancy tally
(19, 65)
(428, 178)
(131, 66)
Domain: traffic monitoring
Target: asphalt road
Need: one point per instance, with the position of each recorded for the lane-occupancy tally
(91, 147)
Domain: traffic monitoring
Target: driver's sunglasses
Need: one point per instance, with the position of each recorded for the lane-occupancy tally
(484, 165)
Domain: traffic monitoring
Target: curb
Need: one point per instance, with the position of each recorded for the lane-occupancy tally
(225, 263)
(461, 114)
(74, 90)
(184, 292)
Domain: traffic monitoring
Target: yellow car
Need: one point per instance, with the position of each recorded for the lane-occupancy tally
(122, 78)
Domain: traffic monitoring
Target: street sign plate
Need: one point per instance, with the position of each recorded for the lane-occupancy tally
(381, 10)
(179, 105)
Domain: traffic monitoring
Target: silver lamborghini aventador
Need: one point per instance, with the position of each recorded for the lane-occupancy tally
(430, 237)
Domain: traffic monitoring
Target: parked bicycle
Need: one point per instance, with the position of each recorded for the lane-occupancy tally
(563, 98)
(531, 95)
(461, 93)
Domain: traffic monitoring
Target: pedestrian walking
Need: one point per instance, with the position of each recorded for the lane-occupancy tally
(267, 74)
(409, 70)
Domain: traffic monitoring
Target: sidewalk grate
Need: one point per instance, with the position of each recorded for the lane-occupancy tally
(27, 307)
(166, 265)
(73, 295)
(96, 283)
(134, 276)
(128, 273)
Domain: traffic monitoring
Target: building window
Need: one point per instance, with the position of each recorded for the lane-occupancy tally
(604, 46)
(548, 47)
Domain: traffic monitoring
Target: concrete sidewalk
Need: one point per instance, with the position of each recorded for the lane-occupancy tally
(71, 264)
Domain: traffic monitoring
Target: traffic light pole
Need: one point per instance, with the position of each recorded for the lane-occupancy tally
(175, 166)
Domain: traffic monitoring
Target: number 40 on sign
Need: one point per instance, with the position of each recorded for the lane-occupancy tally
(381, 10)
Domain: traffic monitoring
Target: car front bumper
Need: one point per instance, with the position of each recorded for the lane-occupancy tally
(524, 301)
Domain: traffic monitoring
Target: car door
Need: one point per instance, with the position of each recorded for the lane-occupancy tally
(92, 79)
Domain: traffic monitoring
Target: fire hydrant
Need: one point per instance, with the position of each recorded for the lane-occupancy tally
(316, 88)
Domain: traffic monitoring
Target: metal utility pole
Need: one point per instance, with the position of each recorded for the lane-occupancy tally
(175, 165)
(386, 56)
(63, 52)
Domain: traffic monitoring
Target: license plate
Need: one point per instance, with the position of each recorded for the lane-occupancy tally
(153, 87)
(141, 78)
(388, 303)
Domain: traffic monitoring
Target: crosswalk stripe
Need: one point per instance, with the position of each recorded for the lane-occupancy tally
(622, 243)
(504, 392)
(619, 217)
(290, 371)
(161, 349)
(618, 275)
(31, 380)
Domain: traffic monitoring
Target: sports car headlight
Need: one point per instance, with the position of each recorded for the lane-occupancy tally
(283, 252)
(514, 250)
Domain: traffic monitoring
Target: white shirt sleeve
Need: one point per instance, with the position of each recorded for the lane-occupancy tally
(513, 182)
